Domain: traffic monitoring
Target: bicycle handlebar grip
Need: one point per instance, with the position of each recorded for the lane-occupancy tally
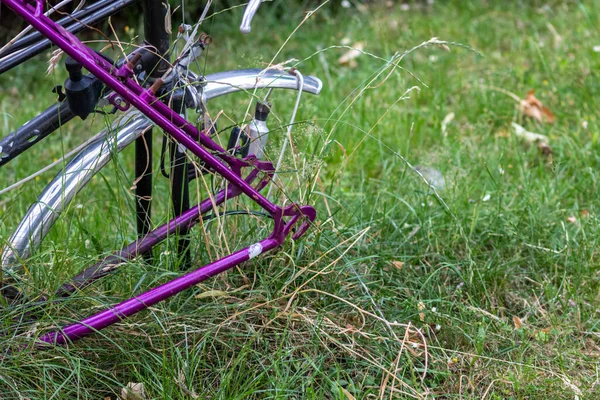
(251, 9)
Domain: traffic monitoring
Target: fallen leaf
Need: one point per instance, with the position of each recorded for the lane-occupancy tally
(421, 307)
(348, 57)
(133, 391)
(517, 322)
(398, 264)
(541, 141)
(534, 108)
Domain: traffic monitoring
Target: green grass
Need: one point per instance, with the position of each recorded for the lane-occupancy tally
(398, 291)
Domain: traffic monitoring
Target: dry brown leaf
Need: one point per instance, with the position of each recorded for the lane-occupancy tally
(398, 264)
(517, 322)
(534, 108)
(348, 57)
(133, 391)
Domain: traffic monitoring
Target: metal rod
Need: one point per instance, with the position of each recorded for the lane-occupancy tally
(180, 196)
(157, 36)
(17, 58)
(156, 19)
(156, 15)
(141, 246)
(143, 190)
(138, 303)
(33, 131)
(32, 37)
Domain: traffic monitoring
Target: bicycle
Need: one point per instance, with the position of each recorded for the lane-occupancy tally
(149, 91)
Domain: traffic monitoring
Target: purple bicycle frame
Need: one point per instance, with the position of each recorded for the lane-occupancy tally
(230, 168)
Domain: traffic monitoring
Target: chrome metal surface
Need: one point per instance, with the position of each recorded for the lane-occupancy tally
(59, 193)
(249, 13)
(223, 83)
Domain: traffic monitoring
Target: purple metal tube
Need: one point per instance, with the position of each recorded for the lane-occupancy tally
(129, 307)
(163, 116)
